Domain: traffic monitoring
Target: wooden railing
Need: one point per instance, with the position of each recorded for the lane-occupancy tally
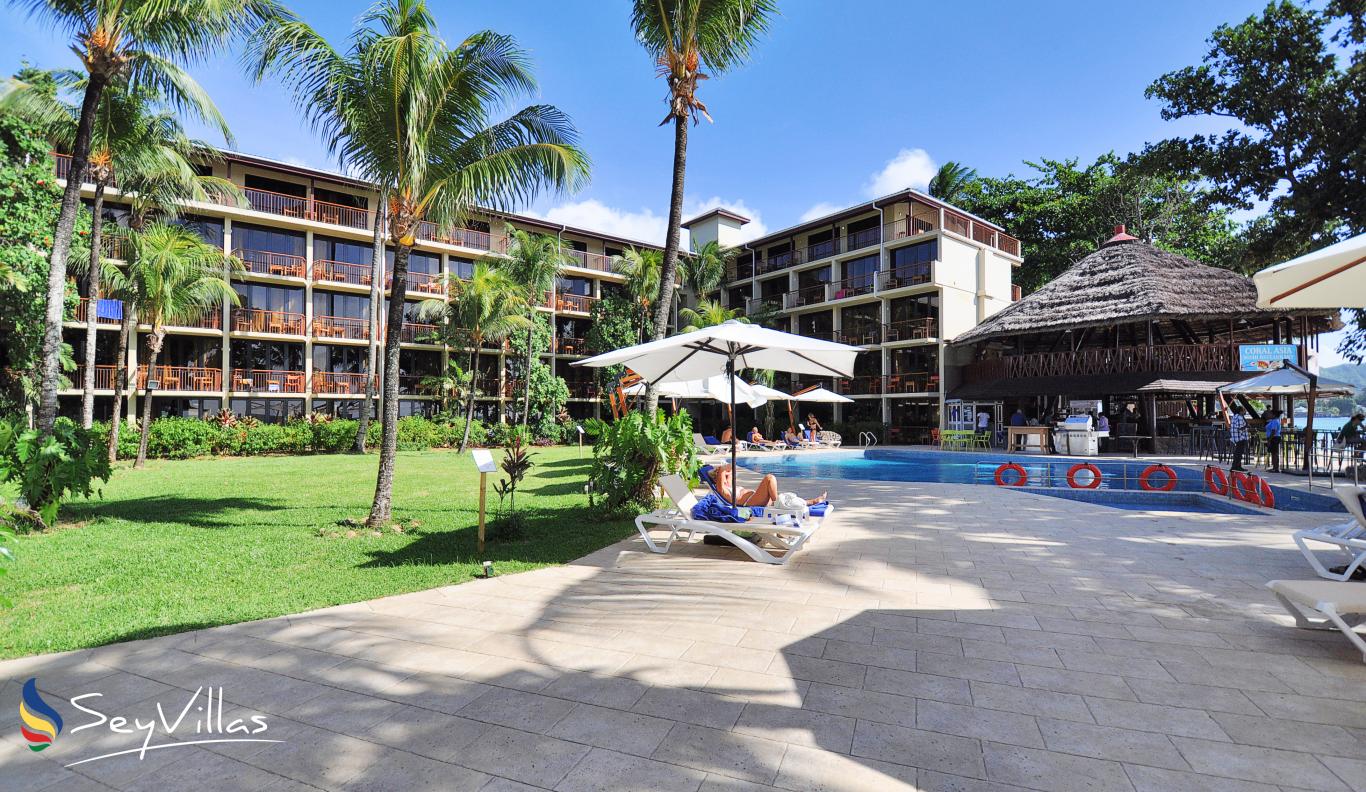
(874, 384)
(344, 382)
(593, 261)
(582, 390)
(267, 381)
(861, 334)
(807, 295)
(265, 262)
(346, 327)
(911, 329)
(907, 227)
(257, 320)
(104, 377)
(858, 386)
(1112, 360)
(852, 286)
(306, 209)
(115, 245)
(211, 319)
(909, 275)
(511, 388)
(565, 345)
(465, 237)
(183, 378)
(423, 282)
(1016, 293)
(419, 333)
(580, 303)
(81, 312)
(326, 270)
(340, 214)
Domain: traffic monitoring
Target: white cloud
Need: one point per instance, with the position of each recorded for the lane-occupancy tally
(754, 228)
(819, 210)
(909, 168)
(594, 215)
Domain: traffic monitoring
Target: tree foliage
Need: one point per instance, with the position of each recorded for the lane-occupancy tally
(614, 322)
(633, 452)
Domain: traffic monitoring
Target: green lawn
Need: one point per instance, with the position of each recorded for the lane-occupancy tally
(183, 545)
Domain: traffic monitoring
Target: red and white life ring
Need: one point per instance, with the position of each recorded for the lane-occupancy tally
(1000, 475)
(1087, 467)
(1216, 480)
(1268, 498)
(1145, 482)
(1244, 486)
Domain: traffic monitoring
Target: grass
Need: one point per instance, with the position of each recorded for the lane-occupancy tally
(184, 545)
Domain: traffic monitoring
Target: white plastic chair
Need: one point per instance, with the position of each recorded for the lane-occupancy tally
(786, 530)
(1348, 538)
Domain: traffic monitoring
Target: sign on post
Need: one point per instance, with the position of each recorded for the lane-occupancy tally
(483, 462)
(1266, 357)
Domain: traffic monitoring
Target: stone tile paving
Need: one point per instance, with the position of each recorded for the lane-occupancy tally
(932, 637)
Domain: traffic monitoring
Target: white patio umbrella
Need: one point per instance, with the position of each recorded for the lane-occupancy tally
(724, 348)
(716, 387)
(1291, 380)
(821, 395)
(1329, 278)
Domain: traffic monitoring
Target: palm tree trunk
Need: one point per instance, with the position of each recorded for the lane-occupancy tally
(88, 376)
(120, 381)
(51, 364)
(154, 351)
(474, 385)
(669, 267)
(381, 510)
(526, 375)
(376, 299)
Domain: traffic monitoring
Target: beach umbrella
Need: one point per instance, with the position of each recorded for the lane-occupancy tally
(1291, 380)
(1328, 278)
(724, 348)
(821, 395)
(716, 387)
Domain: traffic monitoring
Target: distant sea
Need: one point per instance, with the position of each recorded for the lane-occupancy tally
(1333, 422)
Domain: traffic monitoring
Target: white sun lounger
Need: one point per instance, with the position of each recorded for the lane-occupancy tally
(785, 530)
(1348, 538)
(1330, 599)
(701, 444)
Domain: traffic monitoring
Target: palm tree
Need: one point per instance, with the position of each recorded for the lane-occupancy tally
(706, 268)
(708, 313)
(535, 262)
(685, 36)
(142, 42)
(641, 270)
(950, 182)
(135, 135)
(411, 114)
(174, 277)
(372, 312)
(487, 307)
(454, 383)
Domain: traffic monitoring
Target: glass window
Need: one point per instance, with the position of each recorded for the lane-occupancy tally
(255, 182)
(350, 306)
(865, 265)
(270, 298)
(418, 261)
(415, 407)
(268, 410)
(166, 407)
(461, 268)
(266, 355)
(209, 229)
(340, 359)
(339, 198)
(325, 249)
(919, 253)
(582, 286)
(267, 240)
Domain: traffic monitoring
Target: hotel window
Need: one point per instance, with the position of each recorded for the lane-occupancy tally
(325, 249)
(460, 267)
(185, 350)
(208, 229)
(919, 254)
(268, 410)
(429, 263)
(266, 355)
(254, 182)
(773, 289)
(267, 240)
(270, 298)
(340, 359)
(580, 286)
(816, 325)
(909, 308)
(169, 407)
(340, 198)
(862, 233)
(408, 407)
(349, 306)
(736, 297)
(820, 244)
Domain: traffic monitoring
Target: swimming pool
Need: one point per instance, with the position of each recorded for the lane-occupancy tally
(962, 467)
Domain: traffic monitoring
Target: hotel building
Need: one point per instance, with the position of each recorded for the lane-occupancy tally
(899, 276)
(298, 340)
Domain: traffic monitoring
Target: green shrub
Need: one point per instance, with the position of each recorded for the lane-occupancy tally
(262, 439)
(416, 433)
(179, 438)
(451, 432)
(634, 451)
(335, 436)
(504, 435)
(51, 468)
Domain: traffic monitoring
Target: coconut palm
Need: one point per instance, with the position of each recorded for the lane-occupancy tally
(486, 307)
(708, 313)
(535, 262)
(174, 277)
(706, 267)
(641, 270)
(453, 383)
(135, 135)
(142, 42)
(951, 180)
(685, 36)
(413, 115)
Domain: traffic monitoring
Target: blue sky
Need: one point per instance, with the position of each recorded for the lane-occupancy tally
(841, 101)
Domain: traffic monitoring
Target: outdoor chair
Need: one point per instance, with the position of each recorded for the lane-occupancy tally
(1331, 600)
(1347, 538)
(831, 439)
(704, 446)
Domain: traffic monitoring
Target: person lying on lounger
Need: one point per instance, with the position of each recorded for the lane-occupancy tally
(765, 494)
(756, 437)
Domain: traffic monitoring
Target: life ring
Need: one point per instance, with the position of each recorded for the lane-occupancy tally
(1268, 498)
(1216, 480)
(1087, 466)
(1000, 475)
(1243, 486)
(1149, 471)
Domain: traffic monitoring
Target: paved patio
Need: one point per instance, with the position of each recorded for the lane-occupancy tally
(933, 637)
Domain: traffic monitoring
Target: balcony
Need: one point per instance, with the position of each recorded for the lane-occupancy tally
(979, 232)
(256, 320)
(419, 333)
(411, 385)
(582, 390)
(63, 167)
(344, 327)
(339, 383)
(877, 385)
(1112, 360)
(116, 245)
(911, 329)
(864, 334)
(210, 320)
(511, 388)
(464, 237)
(565, 345)
(852, 286)
(858, 240)
(593, 261)
(104, 377)
(265, 262)
(183, 378)
(573, 303)
(328, 271)
(906, 227)
(421, 283)
(820, 333)
(304, 208)
(754, 305)
(901, 277)
(807, 295)
(267, 381)
(820, 250)
(779, 262)
(107, 312)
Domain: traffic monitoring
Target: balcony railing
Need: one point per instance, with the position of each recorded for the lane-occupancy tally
(265, 262)
(911, 329)
(108, 312)
(183, 378)
(980, 232)
(565, 345)
(116, 245)
(345, 327)
(411, 385)
(420, 282)
(852, 286)
(860, 334)
(338, 382)
(593, 261)
(582, 390)
(304, 208)
(267, 381)
(909, 275)
(465, 237)
(574, 303)
(257, 320)
(820, 250)
(511, 388)
(328, 271)
(104, 377)
(63, 167)
(780, 261)
(341, 214)
(807, 295)
(874, 384)
(419, 333)
(862, 239)
(1111, 360)
(822, 333)
(755, 305)
(907, 227)
(209, 320)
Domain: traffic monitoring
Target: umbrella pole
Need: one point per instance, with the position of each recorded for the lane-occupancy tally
(734, 430)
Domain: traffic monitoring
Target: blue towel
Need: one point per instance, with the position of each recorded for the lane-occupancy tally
(713, 509)
(818, 509)
(109, 309)
(711, 440)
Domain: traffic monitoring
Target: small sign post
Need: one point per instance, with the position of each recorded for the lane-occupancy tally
(483, 461)
(580, 428)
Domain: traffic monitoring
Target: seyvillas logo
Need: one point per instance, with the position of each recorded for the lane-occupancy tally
(40, 723)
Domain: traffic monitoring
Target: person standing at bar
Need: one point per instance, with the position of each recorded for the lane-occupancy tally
(1237, 435)
(1273, 439)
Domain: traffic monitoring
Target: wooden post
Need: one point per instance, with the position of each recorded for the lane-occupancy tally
(483, 486)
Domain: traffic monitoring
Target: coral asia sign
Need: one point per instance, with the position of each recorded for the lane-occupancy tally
(1265, 357)
(193, 719)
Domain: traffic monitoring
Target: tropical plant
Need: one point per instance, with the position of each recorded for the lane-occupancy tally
(951, 180)
(142, 42)
(411, 114)
(641, 269)
(174, 277)
(453, 383)
(708, 313)
(516, 464)
(631, 454)
(535, 263)
(614, 322)
(487, 307)
(705, 268)
(683, 37)
(49, 467)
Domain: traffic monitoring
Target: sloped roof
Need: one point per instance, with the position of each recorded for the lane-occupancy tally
(1125, 281)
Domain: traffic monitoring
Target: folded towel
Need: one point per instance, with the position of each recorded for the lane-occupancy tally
(712, 509)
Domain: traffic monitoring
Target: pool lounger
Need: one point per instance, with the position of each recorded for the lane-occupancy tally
(1349, 538)
(785, 530)
(1330, 599)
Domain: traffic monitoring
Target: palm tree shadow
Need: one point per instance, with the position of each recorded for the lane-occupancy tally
(196, 512)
